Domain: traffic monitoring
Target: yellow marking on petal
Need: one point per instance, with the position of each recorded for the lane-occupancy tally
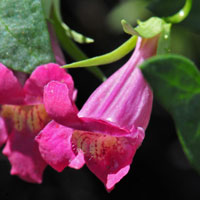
(19, 118)
(6, 111)
(93, 148)
(97, 145)
(37, 118)
(32, 118)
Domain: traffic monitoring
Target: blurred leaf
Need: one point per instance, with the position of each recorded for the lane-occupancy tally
(24, 37)
(47, 4)
(131, 10)
(164, 45)
(175, 81)
(165, 8)
(192, 21)
(183, 42)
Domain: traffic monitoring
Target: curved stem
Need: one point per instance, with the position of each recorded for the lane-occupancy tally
(113, 56)
(181, 15)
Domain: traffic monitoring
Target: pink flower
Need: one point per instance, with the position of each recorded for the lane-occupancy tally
(23, 115)
(110, 126)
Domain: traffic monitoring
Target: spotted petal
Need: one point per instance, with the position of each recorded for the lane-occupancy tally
(108, 157)
(23, 124)
(56, 149)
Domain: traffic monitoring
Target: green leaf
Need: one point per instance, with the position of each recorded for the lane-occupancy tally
(175, 81)
(107, 58)
(24, 38)
(47, 5)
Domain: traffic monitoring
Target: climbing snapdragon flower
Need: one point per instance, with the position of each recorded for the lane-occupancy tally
(23, 116)
(110, 126)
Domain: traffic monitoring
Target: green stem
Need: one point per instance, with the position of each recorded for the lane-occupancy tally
(113, 56)
(181, 15)
(71, 48)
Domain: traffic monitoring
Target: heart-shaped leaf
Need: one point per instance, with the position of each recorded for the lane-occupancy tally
(175, 81)
(24, 38)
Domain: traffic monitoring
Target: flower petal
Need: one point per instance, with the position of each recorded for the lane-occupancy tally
(62, 109)
(125, 107)
(115, 178)
(125, 99)
(78, 161)
(3, 132)
(58, 103)
(55, 147)
(10, 89)
(26, 161)
(23, 123)
(108, 157)
(40, 77)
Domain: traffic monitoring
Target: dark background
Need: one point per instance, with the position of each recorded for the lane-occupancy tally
(160, 169)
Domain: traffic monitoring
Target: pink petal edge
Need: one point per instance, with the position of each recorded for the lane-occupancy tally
(58, 103)
(11, 91)
(112, 179)
(41, 76)
(55, 147)
(26, 161)
(3, 132)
